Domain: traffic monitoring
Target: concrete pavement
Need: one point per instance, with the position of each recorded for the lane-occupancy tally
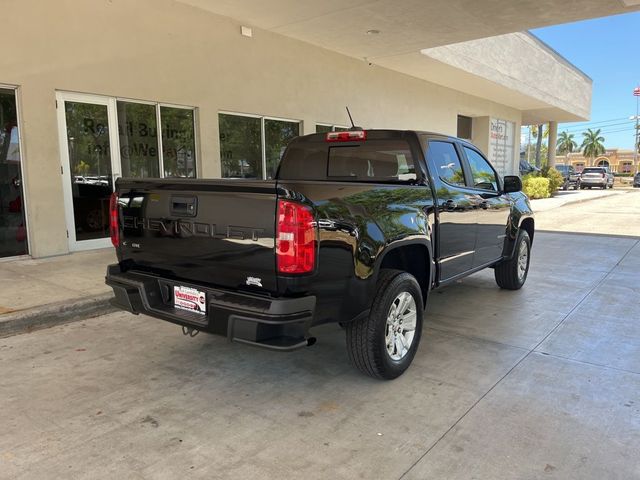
(566, 197)
(36, 293)
(615, 214)
(539, 383)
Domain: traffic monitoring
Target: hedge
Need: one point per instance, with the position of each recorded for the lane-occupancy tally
(536, 187)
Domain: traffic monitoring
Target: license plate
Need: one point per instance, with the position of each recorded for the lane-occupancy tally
(189, 299)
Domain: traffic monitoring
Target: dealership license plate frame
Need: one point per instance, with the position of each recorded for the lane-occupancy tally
(190, 299)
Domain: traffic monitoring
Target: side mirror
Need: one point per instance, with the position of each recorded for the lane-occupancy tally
(512, 183)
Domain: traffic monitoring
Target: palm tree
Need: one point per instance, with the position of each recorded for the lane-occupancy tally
(566, 144)
(592, 145)
(536, 129)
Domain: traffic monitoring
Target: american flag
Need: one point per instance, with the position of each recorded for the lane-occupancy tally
(636, 92)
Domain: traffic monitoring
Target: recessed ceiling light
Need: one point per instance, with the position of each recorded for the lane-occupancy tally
(373, 32)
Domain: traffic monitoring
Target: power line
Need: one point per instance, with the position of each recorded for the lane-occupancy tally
(586, 123)
(619, 130)
(577, 129)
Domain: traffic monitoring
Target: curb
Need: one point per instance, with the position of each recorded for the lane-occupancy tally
(573, 202)
(45, 316)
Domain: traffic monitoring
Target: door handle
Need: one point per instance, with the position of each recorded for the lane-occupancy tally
(450, 205)
(184, 206)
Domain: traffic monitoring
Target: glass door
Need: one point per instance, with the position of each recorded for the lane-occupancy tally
(88, 140)
(13, 229)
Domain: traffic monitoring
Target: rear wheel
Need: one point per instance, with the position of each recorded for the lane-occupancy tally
(383, 344)
(511, 274)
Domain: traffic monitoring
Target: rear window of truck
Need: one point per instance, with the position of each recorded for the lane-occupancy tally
(370, 161)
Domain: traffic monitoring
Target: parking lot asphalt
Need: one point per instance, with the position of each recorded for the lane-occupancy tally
(539, 383)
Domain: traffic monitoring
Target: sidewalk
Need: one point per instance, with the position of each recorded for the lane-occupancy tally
(564, 197)
(36, 293)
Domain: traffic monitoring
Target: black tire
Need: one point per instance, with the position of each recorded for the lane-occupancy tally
(366, 342)
(507, 273)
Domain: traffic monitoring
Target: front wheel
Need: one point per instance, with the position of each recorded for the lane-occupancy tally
(511, 274)
(383, 344)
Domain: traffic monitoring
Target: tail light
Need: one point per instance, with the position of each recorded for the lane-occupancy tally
(296, 238)
(604, 175)
(348, 136)
(114, 226)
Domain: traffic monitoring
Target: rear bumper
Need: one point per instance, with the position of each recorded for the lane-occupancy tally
(275, 323)
(593, 182)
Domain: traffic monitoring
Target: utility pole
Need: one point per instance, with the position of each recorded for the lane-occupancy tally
(636, 93)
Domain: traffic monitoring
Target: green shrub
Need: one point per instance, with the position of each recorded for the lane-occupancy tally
(536, 187)
(555, 179)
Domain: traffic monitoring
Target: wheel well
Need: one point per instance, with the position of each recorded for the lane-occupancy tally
(528, 225)
(413, 259)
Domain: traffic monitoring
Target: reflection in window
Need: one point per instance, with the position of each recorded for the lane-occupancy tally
(240, 146)
(241, 142)
(277, 135)
(13, 231)
(138, 132)
(178, 142)
(384, 161)
(445, 159)
(90, 161)
(483, 175)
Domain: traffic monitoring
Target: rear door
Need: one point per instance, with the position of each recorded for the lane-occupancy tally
(456, 206)
(494, 207)
(215, 232)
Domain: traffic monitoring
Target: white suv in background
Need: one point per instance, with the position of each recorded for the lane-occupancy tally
(596, 177)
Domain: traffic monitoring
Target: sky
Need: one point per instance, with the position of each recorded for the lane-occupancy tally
(607, 50)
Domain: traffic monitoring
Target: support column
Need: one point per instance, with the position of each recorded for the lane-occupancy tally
(553, 142)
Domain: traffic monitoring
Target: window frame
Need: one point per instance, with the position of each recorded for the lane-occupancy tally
(263, 144)
(158, 106)
(469, 172)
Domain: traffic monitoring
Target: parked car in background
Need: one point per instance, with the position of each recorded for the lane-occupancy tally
(636, 180)
(596, 177)
(526, 167)
(571, 177)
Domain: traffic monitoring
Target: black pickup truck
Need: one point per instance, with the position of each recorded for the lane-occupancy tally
(357, 228)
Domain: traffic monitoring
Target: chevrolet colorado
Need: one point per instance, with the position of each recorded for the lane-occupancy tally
(357, 228)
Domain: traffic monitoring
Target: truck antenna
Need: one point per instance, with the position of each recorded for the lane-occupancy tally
(353, 125)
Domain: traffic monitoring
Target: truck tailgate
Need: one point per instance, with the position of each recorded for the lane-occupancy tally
(215, 232)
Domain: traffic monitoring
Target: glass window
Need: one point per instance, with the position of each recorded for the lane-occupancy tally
(277, 134)
(178, 142)
(241, 141)
(445, 159)
(138, 132)
(322, 128)
(372, 161)
(89, 150)
(13, 231)
(484, 176)
(240, 146)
